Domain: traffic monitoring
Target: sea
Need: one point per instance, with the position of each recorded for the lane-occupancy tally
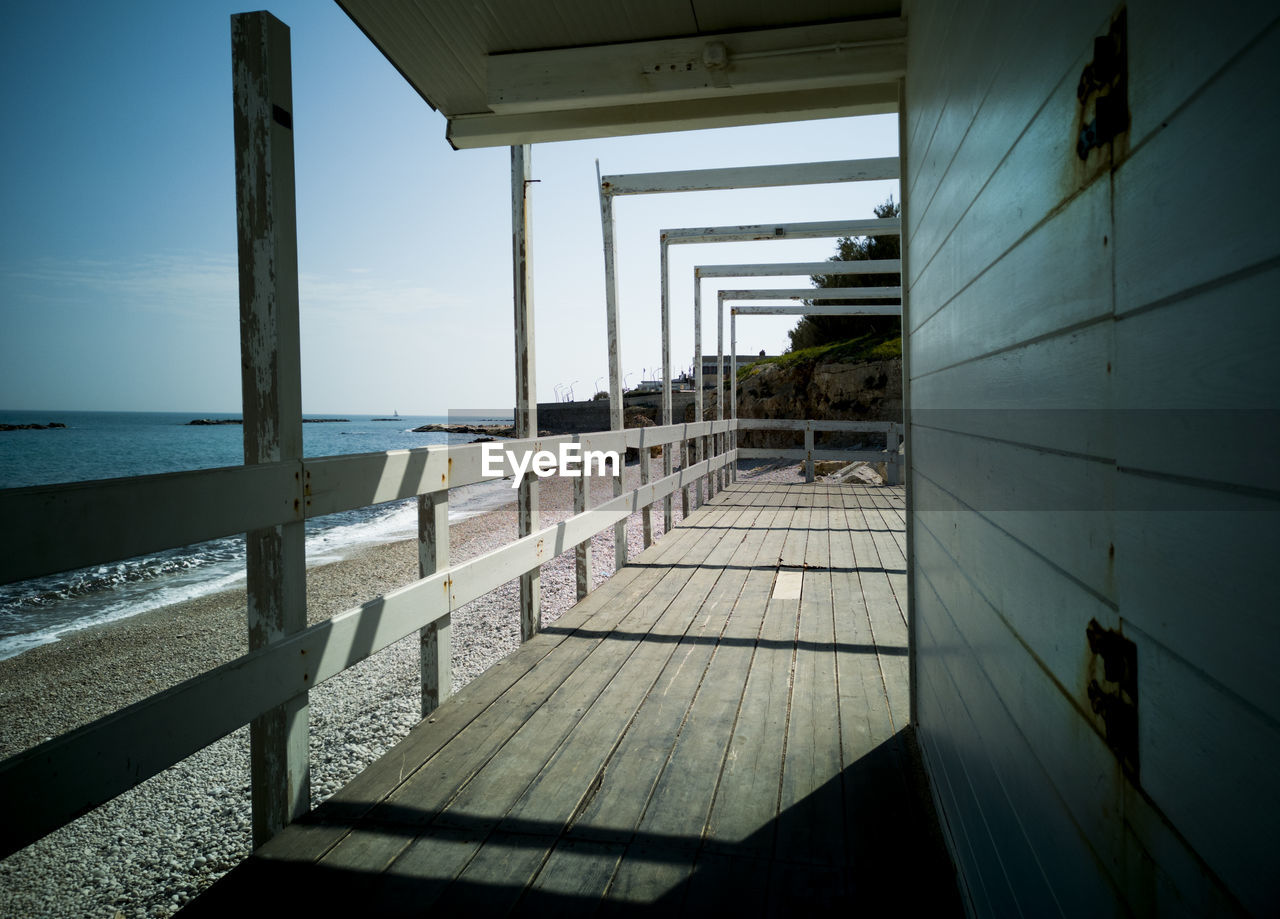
(101, 445)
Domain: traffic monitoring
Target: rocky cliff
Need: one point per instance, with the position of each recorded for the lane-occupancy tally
(826, 387)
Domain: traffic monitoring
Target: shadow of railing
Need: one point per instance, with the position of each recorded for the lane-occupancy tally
(866, 840)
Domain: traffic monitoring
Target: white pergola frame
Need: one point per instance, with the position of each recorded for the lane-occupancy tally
(885, 226)
(814, 310)
(881, 226)
(892, 431)
(883, 168)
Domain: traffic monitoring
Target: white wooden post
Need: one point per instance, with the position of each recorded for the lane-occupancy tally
(669, 450)
(808, 451)
(700, 442)
(719, 356)
(582, 551)
(646, 517)
(686, 448)
(271, 386)
(719, 440)
(615, 352)
(526, 385)
(892, 469)
(730, 439)
(434, 638)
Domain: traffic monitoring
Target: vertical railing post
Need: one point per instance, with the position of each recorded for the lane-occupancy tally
(434, 637)
(271, 386)
(725, 390)
(717, 440)
(732, 445)
(808, 451)
(615, 352)
(731, 438)
(582, 551)
(667, 454)
(646, 517)
(526, 384)
(700, 442)
(686, 451)
(892, 469)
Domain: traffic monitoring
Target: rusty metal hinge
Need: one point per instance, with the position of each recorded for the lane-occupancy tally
(1104, 88)
(1113, 692)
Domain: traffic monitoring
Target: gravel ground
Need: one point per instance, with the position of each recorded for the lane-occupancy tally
(150, 850)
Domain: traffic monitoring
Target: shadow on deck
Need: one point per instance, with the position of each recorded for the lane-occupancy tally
(721, 724)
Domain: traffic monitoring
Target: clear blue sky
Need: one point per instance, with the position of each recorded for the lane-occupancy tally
(117, 264)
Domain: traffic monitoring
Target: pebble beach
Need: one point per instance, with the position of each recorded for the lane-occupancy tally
(152, 849)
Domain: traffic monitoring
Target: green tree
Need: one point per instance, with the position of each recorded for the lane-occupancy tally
(811, 331)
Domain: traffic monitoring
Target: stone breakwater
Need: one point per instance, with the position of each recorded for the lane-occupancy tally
(202, 422)
(488, 430)
(52, 425)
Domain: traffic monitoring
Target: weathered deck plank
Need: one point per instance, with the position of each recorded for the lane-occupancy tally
(697, 731)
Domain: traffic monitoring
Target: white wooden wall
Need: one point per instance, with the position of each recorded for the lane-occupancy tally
(1054, 305)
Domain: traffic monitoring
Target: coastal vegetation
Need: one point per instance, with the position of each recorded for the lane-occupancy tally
(813, 331)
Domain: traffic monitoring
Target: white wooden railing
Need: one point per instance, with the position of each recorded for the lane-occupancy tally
(62, 527)
(890, 456)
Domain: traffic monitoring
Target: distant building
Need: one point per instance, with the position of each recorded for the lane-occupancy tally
(709, 366)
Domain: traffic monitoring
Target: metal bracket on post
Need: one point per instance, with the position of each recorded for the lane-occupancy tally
(434, 638)
(271, 384)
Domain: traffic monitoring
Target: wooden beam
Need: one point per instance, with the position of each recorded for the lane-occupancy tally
(820, 309)
(501, 130)
(785, 269)
(272, 391)
(716, 66)
(813, 293)
(818, 229)
(773, 176)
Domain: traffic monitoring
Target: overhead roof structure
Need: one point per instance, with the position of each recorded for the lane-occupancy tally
(507, 71)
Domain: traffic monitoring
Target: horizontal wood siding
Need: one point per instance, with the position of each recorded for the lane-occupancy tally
(1094, 350)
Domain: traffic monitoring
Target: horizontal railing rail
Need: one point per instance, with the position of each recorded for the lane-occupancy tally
(810, 454)
(51, 528)
(51, 784)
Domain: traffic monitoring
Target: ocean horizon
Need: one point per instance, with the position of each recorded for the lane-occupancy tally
(104, 445)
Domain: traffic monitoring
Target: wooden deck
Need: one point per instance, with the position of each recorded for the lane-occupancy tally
(722, 723)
